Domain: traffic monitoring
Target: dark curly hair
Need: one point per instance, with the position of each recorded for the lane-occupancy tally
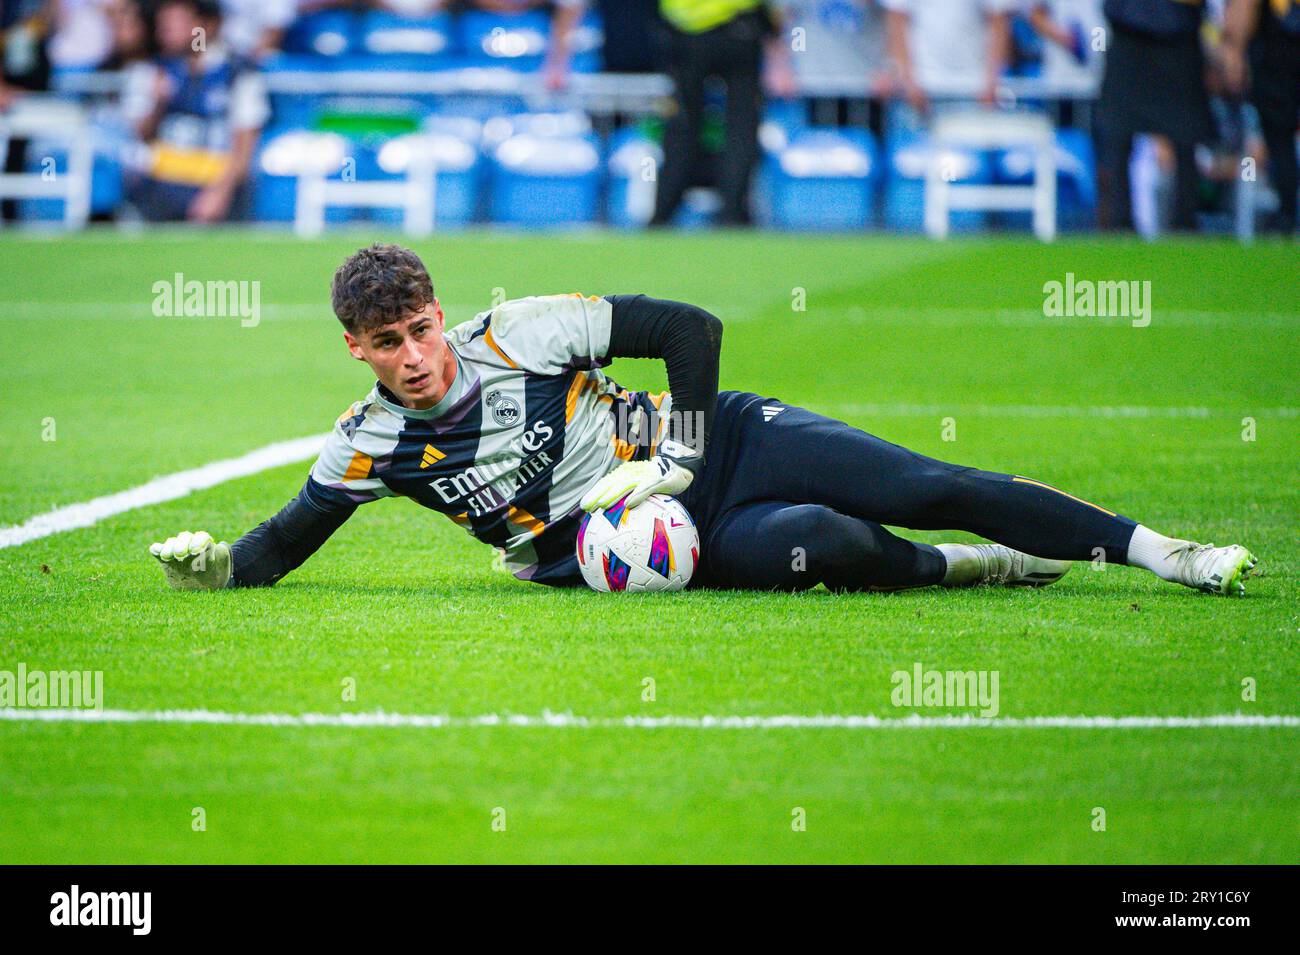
(379, 285)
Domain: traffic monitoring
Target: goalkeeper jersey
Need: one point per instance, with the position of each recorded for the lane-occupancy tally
(529, 424)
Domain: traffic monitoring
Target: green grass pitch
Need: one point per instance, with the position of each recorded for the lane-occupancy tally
(897, 335)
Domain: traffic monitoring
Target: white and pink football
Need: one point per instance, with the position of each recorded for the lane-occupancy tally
(653, 546)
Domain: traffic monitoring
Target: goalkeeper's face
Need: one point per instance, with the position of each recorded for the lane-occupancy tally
(409, 357)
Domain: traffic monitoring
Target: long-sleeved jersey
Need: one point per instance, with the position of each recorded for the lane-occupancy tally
(528, 425)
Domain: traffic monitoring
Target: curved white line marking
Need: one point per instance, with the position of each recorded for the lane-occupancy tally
(166, 488)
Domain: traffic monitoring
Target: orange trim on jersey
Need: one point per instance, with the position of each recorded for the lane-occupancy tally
(521, 518)
(492, 343)
(581, 385)
(622, 450)
(657, 400)
(1049, 487)
(358, 468)
(571, 399)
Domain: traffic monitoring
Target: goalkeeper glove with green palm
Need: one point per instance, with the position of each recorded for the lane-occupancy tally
(638, 480)
(194, 561)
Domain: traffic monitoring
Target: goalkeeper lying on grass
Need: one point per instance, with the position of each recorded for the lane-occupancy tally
(507, 425)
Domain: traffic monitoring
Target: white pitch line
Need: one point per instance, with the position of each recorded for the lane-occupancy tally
(549, 720)
(166, 488)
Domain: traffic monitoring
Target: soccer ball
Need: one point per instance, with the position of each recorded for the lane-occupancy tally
(653, 546)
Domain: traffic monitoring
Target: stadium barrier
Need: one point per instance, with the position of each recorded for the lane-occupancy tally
(49, 119)
(991, 131)
(811, 177)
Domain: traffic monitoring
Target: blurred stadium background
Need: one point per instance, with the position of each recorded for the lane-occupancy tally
(483, 130)
(433, 114)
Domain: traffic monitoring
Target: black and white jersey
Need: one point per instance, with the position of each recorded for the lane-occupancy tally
(529, 424)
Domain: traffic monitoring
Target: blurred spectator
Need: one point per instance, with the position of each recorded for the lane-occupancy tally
(635, 35)
(200, 109)
(83, 34)
(1154, 83)
(406, 8)
(1071, 58)
(565, 15)
(723, 39)
(842, 41)
(1275, 85)
(254, 28)
(25, 25)
(955, 48)
(130, 33)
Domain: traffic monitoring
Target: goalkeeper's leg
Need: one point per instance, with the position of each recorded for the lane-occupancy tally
(776, 545)
(780, 452)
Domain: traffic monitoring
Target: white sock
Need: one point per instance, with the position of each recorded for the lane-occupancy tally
(1154, 551)
(964, 565)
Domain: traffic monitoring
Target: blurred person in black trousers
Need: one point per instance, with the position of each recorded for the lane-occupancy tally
(1154, 83)
(633, 38)
(1274, 56)
(24, 31)
(726, 39)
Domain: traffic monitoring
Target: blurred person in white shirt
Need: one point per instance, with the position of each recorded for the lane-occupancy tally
(199, 109)
(948, 48)
(255, 28)
(1074, 49)
(565, 17)
(840, 41)
(83, 34)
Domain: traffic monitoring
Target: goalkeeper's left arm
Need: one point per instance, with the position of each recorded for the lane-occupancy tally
(260, 557)
(689, 340)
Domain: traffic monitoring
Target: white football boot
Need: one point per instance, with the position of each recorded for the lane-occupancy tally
(974, 565)
(1216, 570)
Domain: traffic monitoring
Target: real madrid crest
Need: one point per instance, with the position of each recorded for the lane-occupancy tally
(505, 409)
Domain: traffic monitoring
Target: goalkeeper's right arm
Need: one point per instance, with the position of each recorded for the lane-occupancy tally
(260, 557)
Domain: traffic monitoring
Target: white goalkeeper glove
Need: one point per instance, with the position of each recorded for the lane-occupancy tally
(638, 480)
(194, 561)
